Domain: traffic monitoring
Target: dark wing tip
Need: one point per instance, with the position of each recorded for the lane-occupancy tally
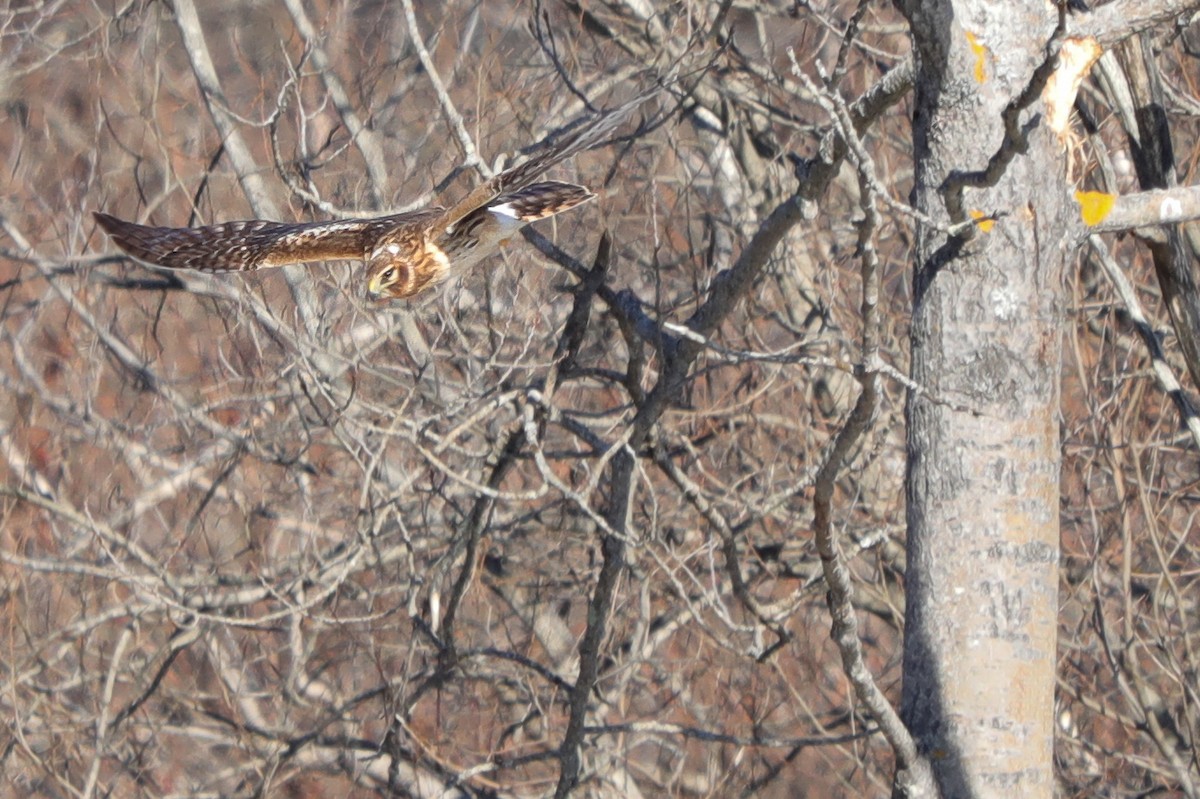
(144, 243)
(108, 222)
(123, 234)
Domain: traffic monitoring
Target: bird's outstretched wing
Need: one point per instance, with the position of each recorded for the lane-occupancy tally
(512, 180)
(482, 230)
(491, 212)
(256, 244)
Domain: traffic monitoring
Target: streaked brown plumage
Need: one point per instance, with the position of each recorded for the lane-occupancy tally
(405, 253)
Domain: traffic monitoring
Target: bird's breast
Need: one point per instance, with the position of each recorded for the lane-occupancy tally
(430, 266)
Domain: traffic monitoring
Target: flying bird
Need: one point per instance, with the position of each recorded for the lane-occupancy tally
(405, 253)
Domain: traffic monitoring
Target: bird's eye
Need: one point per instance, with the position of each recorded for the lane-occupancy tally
(388, 274)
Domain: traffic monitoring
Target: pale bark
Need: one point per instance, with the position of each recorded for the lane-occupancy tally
(983, 448)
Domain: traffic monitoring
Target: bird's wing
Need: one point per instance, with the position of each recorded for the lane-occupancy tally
(515, 178)
(256, 244)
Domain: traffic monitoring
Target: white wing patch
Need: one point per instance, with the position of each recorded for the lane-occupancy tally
(506, 210)
(506, 219)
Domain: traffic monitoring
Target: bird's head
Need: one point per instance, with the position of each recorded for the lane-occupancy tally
(401, 266)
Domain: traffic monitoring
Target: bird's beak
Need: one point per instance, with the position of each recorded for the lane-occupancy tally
(374, 290)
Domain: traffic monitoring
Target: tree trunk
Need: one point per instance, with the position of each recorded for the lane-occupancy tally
(983, 449)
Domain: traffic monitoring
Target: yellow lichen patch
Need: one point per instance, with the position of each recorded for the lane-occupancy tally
(986, 221)
(980, 50)
(1094, 206)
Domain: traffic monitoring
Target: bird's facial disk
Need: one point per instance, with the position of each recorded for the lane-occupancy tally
(387, 273)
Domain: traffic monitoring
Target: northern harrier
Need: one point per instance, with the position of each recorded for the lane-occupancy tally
(405, 253)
